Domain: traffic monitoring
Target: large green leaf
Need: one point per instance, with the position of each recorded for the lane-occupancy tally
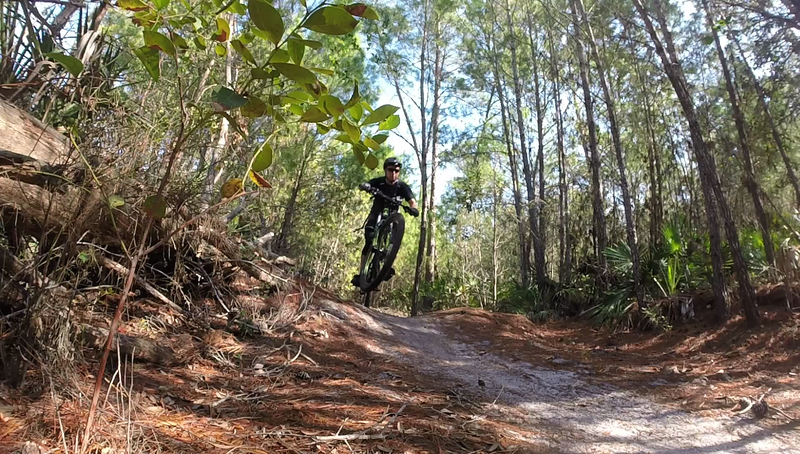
(380, 138)
(314, 115)
(371, 143)
(296, 50)
(255, 107)
(354, 98)
(353, 132)
(371, 162)
(357, 112)
(243, 51)
(279, 56)
(132, 5)
(309, 43)
(200, 42)
(150, 59)
(226, 99)
(358, 150)
(267, 19)
(263, 158)
(156, 40)
(72, 64)
(390, 123)
(155, 206)
(332, 105)
(381, 113)
(220, 50)
(331, 20)
(296, 73)
(161, 4)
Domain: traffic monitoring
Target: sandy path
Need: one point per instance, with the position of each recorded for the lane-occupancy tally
(573, 413)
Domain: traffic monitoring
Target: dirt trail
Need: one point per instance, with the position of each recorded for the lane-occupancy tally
(569, 411)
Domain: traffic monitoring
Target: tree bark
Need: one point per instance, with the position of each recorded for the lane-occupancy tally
(709, 178)
(526, 167)
(598, 210)
(512, 163)
(630, 227)
(438, 68)
(564, 256)
(776, 135)
(539, 241)
(749, 172)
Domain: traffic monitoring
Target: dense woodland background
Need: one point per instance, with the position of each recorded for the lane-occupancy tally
(613, 158)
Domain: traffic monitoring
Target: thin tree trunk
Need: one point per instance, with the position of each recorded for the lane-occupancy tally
(291, 206)
(776, 135)
(630, 227)
(709, 177)
(564, 262)
(597, 185)
(526, 167)
(430, 272)
(749, 172)
(512, 163)
(539, 241)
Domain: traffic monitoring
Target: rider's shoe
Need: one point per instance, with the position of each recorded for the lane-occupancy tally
(356, 281)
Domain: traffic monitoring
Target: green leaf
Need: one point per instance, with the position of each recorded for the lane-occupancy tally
(332, 105)
(267, 19)
(225, 99)
(390, 123)
(237, 8)
(115, 201)
(362, 10)
(296, 109)
(296, 73)
(358, 150)
(346, 139)
(354, 98)
(179, 41)
(161, 4)
(150, 59)
(381, 113)
(132, 5)
(353, 131)
(357, 112)
(380, 138)
(223, 30)
(371, 143)
(255, 107)
(200, 42)
(243, 51)
(324, 71)
(303, 2)
(309, 43)
(155, 206)
(322, 129)
(366, 106)
(314, 115)
(279, 56)
(260, 74)
(371, 162)
(708, 40)
(220, 50)
(72, 64)
(299, 95)
(156, 40)
(247, 38)
(331, 20)
(263, 158)
(296, 50)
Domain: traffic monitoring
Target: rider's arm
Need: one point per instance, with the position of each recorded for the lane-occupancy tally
(412, 203)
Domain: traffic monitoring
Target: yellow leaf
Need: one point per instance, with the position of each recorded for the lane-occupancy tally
(259, 180)
(231, 188)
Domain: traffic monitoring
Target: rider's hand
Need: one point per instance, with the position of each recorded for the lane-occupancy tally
(414, 212)
(364, 186)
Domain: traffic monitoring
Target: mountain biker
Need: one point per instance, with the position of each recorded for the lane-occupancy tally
(391, 186)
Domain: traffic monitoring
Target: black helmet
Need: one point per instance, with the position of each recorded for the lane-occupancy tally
(391, 162)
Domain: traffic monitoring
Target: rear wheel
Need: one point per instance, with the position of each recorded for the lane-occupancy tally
(379, 260)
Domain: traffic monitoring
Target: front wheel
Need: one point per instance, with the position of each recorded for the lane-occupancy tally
(379, 260)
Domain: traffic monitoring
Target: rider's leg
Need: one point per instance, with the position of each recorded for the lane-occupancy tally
(369, 234)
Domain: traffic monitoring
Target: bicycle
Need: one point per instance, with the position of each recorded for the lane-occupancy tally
(377, 263)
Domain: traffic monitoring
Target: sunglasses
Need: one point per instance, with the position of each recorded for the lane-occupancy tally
(394, 169)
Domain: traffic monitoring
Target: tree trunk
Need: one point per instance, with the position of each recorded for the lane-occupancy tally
(539, 241)
(526, 167)
(430, 272)
(630, 227)
(776, 135)
(598, 210)
(749, 172)
(564, 256)
(282, 242)
(214, 154)
(512, 163)
(708, 175)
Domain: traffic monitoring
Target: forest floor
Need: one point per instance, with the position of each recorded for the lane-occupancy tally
(339, 378)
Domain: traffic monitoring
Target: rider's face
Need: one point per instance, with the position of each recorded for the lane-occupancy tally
(392, 174)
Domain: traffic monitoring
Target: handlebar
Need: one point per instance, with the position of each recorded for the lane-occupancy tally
(396, 201)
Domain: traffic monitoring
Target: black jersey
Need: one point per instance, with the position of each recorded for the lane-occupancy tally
(390, 190)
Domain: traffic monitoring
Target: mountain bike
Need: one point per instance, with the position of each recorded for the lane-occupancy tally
(377, 263)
